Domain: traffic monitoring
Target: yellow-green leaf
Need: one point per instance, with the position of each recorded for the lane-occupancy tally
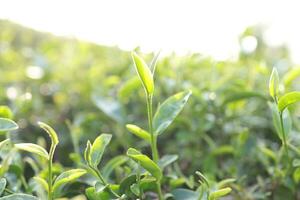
(219, 193)
(67, 177)
(288, 99)
(144, 73)
(145, 162)
(50, 131)
(33, 148)
(141, 133)
(98, 148)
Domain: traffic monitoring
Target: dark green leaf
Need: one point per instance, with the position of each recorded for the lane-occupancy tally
(168, 111)
(112, 164)
(180, 194)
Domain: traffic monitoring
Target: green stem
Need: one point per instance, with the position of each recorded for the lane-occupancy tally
(284, 142)
(50, 176)
(160, 195)
(99, 175)
(155, 155)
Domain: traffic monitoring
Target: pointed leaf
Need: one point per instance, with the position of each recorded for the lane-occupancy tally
(145, 162)
(153, 63)
(168, 111)
(112, 164)
(33, 148)
(8, 125)
(67, 177)
(19, 197)
(50, 131)
(288, 99)
(141, 133)
(274, 84)
(219, 193)
(180, 194)
(87, 152)
(98, 148)
(167, 160)
(144, 73)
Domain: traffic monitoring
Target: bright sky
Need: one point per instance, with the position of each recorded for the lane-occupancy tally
(207, 26)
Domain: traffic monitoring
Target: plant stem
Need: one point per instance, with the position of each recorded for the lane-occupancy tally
(160, 195)
(50, 182)
(284, 142)
(99, 175)
(155, 155)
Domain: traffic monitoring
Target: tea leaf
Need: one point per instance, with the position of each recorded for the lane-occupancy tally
(19, 197)
(219, 193)
(2, 185)
(153, 63)
(67, 177)
(274, 84)
(288, 99)
(141, 133)
(112, 164)
(168, 111)
(145, 162)
(33, 148)
(98, 148)
(7, 125)
(144, 73)
(180, 194)
(87, 152)
(167, 160)
(50, 131)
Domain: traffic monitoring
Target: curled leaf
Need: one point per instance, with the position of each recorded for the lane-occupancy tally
(144, 73)
(33, 148)
(141, 133)
(50, 131)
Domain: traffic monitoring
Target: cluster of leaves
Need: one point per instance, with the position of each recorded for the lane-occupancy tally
(141, 179)
(226, 131)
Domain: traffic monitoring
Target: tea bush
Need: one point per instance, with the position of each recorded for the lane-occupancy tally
(233, 137)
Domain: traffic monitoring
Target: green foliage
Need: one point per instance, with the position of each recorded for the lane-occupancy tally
(144, 73)
(226, 129)
(168, 111)
(7, 125)
(145, 162)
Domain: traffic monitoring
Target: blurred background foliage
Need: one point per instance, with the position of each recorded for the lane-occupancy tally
(83, 89)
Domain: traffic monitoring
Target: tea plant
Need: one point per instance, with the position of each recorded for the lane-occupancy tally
(142, 177)
(282, 121)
